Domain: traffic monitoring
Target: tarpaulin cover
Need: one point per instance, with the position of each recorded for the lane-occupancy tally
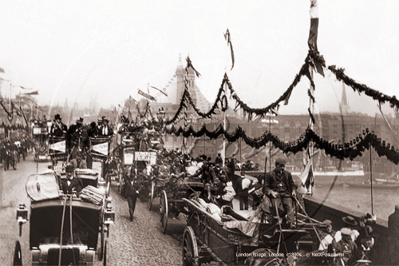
(42, 186)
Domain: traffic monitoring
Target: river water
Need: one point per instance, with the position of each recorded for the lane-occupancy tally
(359, 199)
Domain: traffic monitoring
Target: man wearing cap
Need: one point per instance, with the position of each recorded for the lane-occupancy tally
(327, 235)
(347, 247)
(280, 185)
(71, 182)
(58, 129)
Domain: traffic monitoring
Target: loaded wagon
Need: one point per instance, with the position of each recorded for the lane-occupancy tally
(65, 229)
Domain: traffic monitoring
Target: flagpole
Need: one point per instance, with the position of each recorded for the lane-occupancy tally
(12, 112)
(224, 141)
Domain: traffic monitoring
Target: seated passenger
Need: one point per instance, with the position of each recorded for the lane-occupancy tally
(347, 247)
(70, 182)
(327, 235)
(78, 162)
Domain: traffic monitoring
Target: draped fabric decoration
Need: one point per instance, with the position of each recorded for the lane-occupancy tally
(348, 150)
(376, 95)
(9, 115)
(228, 39)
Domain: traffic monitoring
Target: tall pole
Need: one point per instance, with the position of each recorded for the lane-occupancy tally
(9, 131)
(224, 142)
(371, 170)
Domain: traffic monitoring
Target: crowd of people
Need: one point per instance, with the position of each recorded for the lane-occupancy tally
(12, 149)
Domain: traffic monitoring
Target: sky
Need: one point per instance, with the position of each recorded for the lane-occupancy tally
(78, 50)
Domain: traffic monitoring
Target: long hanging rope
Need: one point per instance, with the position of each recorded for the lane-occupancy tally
(70, 221)
(62, 229)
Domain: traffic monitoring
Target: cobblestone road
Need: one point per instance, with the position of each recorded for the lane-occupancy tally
(139, 242)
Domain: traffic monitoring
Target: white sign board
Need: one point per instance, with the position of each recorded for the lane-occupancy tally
(146, 157)
(59, 146)
(101, 148)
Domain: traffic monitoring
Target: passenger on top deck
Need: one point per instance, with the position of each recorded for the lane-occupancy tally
(105, 129)
(58, 129)
(78, 162)
(70, 182)
(327, 235)
(347, 247)
(280, 185)
(351, 224)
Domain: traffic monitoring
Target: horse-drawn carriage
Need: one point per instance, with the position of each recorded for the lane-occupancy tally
(41, 142)
(231, 238)
(65, 229)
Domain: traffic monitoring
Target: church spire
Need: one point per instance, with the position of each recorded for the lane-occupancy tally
(344, 101)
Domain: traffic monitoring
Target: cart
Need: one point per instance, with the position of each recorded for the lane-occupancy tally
(64, 229)
(99, 151)
(172, 191)
(208, 239)
(57, 149)
(41, 143)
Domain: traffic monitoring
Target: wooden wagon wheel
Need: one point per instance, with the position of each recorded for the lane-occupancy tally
(152, 194)
(164, 211)
(190, 248)
(105, 253)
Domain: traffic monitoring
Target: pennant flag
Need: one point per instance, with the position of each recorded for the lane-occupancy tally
(287, 98)
(2, 70)
(101, 148)
(228, 38)
(146, 95)
(58, 146)
(31, 93)
(159, 91)
(311, 116)
(130, 97)
(313, 32)
(190, 64)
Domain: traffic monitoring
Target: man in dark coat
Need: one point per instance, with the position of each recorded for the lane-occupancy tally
(280, 185)
(71, 182)
(219, 159)
(130, 190)
(58, 129)
(77, 137)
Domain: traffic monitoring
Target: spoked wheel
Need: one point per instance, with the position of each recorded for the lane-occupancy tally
(17, 254)
(190, 248)
(105, 253)
(164, 211)
(152, 194)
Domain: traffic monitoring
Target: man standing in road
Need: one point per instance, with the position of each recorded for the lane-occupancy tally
(280, 186)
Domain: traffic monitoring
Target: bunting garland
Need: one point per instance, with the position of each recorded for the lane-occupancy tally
(350, 150)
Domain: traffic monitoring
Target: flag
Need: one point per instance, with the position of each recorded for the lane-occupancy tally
(146, 95)
(130, 97)
(313, 32)
(287, 97)
(31, 93)
(227, 37)
(164, 93)
(307, 177)
(2, 70)
(190, 64)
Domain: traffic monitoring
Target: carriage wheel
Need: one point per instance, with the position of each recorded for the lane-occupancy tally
(190, 248)
(105, 253)
(152, 194)
(101, 253)
(164, 211)
(17, 254)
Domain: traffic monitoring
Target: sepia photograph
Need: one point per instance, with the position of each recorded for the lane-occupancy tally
(199, 132)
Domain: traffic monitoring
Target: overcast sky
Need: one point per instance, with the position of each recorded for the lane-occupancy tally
(78, 49)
